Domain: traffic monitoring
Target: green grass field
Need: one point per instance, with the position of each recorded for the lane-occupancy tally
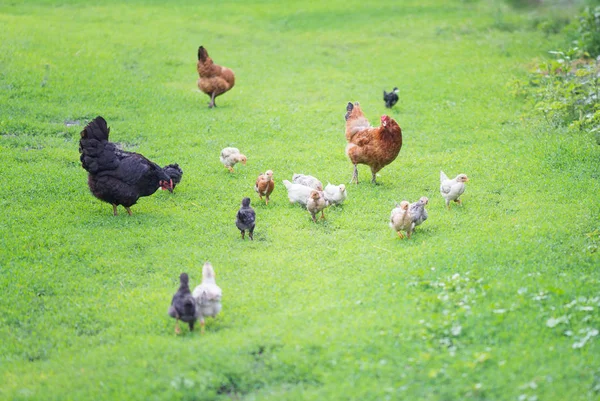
(494, 300)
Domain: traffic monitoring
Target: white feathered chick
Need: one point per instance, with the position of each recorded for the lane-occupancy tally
(307, 180)
(335, 194)
(297, 193)
(401, 220)
(452, 189)
(207, 295)
(230, 157)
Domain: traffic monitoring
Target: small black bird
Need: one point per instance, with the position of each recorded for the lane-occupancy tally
(174, 172)
(246, 218)
(183, 306)
(390, 98)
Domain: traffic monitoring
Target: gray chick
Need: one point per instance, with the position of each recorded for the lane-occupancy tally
(246, 219)
(183, 306)
(418, 212)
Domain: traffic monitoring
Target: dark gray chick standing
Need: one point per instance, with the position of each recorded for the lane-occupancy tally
(183, 306)
(418, 212)
(390, 98)
(246, 219)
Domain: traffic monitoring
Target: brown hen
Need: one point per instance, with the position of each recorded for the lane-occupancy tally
(374, 146)
(214, 79)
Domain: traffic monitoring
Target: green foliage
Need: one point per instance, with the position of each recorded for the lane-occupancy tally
(588, 31)
(496, 299)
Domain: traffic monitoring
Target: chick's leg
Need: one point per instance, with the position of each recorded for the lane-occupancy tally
(230, 168)
(322, 214)
(400, 234)
(202, 326)
(177, 329)
(458, 201)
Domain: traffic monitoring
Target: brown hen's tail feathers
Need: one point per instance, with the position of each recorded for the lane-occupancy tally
(202, 53)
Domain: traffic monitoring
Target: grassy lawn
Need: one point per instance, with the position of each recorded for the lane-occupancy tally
(495, 300)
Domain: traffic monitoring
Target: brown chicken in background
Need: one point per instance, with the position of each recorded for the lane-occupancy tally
(374, 146)
(265, 185)
(214, 79)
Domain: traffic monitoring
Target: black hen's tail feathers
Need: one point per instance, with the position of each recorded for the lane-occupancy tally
(97, 153)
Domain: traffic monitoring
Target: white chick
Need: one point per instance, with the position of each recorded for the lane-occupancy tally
(230, 157)
(335, 194)
(307, 180)
(452, 189)
(207, 295)
(297, 193)
(400, 219)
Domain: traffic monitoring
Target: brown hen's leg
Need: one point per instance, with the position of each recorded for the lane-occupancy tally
(212, 100)
(128, 210)
(374, 177)
(266, 200)
(355, 175)
(115, 210)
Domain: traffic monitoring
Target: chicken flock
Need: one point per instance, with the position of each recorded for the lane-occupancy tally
(119, 177)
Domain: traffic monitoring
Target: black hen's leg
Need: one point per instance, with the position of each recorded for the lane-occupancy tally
(128, 210)
(191, 325)
(251, 233)
(115, 210)
(243, 233)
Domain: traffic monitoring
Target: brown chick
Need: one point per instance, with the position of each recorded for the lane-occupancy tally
(264, 185)
(316, 203)
(214, 79)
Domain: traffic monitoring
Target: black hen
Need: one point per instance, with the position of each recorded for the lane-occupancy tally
(116, 176)
(183, 306)
(390, 98)
(246, 219)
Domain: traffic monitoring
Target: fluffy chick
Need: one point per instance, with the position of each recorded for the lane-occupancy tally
(297, 193)
(246, 219)
(417, 212)
(335, 194)
(451, 189)
(265, 185)
(307, 180)
(401, 220)
(230, 157)
(316, 203)
(207, 295)
(183, 306)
